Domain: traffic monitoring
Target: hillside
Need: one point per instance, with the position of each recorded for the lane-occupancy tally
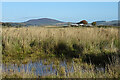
(53, 22)
(42, 21)
(112, 23)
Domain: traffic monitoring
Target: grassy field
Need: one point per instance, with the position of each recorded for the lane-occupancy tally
(90, 46)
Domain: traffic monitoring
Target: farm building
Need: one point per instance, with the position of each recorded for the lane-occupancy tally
(74, 25)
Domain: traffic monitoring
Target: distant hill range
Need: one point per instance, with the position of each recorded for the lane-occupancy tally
(112, 23)
(48, 21)
(42, 22)
(38, 22)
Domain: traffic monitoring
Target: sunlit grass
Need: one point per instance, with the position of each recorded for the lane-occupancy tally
(87, 47)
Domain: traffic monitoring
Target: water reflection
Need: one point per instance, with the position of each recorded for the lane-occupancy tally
(39, 68)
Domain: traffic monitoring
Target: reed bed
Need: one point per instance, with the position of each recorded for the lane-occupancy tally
(93, 46)
(35, 41)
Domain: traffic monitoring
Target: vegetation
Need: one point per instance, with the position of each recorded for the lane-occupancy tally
(87, 46)
(83, 22)
(93, 23)
(81, 70)
(6, 24)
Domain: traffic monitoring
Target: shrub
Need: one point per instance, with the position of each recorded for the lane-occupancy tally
(93, 23)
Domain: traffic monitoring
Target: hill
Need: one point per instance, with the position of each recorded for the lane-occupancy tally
(111, 23)
(42, 21)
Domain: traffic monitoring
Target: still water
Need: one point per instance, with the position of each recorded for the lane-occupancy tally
(42, 69)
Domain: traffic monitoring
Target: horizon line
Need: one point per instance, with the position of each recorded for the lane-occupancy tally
(55, 19)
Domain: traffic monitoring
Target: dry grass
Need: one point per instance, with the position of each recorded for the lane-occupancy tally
(20, 45)
(79, 35)
(36, 39)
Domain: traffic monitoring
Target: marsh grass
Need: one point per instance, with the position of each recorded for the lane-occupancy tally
(81, 70)
(93, 46)
(16, 74)
(35, 42)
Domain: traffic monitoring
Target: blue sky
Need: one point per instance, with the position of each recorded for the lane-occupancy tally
(63, 11)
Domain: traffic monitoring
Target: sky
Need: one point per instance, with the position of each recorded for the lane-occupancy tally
(63, 11)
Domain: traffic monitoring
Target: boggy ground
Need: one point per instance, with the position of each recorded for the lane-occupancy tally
(91, 46)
